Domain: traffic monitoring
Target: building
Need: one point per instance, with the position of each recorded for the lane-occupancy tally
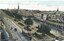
(41, 16)
(45, 16)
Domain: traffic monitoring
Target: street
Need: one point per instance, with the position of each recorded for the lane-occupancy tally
(16, 34)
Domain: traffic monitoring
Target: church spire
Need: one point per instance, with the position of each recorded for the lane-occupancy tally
(18, 6)
(57, 9)
(18, 9)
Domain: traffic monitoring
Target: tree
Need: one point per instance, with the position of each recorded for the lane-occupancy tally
(63, 17)
(17, 16)
(44, 29)
(28, 22)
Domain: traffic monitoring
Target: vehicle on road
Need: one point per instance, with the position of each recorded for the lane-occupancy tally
(15, 29)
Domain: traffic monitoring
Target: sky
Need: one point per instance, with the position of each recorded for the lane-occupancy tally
(33, 4)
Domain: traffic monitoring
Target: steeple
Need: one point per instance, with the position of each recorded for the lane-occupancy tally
(57, 9)
(18, 9)
(18, 6)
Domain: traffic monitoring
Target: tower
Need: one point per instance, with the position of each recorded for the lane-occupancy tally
(57, 9)
(18, 9)
(18, 6)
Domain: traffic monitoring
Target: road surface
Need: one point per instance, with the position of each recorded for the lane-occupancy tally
(16, 34)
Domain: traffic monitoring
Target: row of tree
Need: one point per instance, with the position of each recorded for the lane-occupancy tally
(13, 14)
(42, 29)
